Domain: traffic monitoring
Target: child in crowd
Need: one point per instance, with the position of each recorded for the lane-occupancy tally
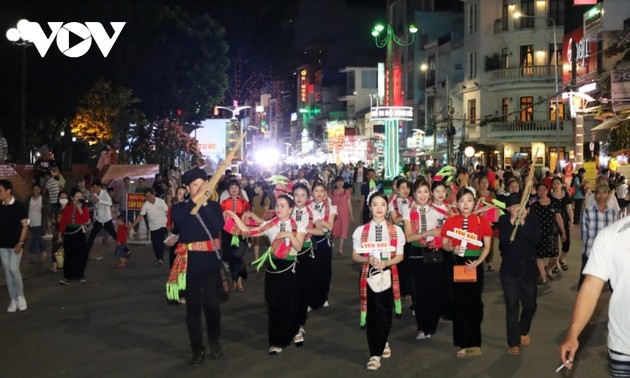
(122, 252)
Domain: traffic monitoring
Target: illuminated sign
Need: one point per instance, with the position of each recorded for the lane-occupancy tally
(384, 113)
(593, 19)
(303, 87)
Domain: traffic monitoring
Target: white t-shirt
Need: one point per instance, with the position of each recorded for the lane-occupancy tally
(622, 191)
(103, 212)
(610, 260)
(35, 212)
(402, 203)
(156, 213)
(400, 235)
(433, 218)
(320, 209)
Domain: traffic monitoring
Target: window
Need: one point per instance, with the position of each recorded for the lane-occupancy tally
(505, 14)
(527, 7)
(472, 65)
(558, 55)
(527, 60)
(505, 58)
(527, 110)
(552, 111)
(505, 108)
(556, 11)
(472, 18)
(369, 79)
(472, 111)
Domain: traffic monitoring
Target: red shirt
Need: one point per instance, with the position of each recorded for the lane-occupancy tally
(238, 205)
(66, 217)
(121, 234)
(478, 225)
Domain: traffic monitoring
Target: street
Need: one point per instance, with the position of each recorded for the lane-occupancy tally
(119, 325)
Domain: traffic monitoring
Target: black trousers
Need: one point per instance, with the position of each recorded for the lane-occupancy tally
(467, 309)
(157, 242)
(281, 297)
(75, 254)
(427, 279)
(577, 210)
(96, 228)
(566, 245)
(379, 319)
(404, 274)
(519, 294)
(321, 273)
(446, 298)
(202, 293)
(303, 272)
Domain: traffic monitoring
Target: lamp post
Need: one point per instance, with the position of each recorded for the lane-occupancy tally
(385, 36)
(518, 15)
(235, 111)
(20, 37)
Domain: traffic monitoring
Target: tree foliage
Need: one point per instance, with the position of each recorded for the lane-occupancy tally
(104, 115)
(163, 142)
(620, 137)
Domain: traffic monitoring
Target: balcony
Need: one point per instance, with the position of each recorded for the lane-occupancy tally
(523, 131)
(528, 73)
(500, 25)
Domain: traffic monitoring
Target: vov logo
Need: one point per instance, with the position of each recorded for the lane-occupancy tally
(61, 33)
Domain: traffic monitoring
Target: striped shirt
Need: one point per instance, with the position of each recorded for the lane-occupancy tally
(53, 190)
(592, 222)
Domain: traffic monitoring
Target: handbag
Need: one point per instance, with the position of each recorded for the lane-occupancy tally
(433, 256)
(224, 295)
(59, 255)
(462, 273)
(379, 280)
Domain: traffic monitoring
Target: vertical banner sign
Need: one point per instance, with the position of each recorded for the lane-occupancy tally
(135, 201)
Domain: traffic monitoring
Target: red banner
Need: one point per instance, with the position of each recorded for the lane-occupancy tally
(135, 201)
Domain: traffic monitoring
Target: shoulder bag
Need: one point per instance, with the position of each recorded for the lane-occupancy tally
(379, 280)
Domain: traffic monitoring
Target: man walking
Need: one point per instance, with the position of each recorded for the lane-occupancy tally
(594, 219)
(13, 229)
(102, 203)
(155, 210)
(198, 244)
(519, 272)
(609, 260)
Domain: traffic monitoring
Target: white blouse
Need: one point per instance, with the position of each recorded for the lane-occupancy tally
(301, 216)
(272, 232)
(400, 235)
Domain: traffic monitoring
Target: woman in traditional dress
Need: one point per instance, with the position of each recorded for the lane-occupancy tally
(399, 205)
(260, 206)
(341, 198)
(234, 245)
(549, 213)
(439, 202)
(376, 308)
(488, 208)
(559, 192)
(424, 259)
(467, 303)
(312, 222)
(74, 218)
(281, 281)
(321, 269)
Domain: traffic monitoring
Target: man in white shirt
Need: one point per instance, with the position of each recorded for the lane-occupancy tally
(155, 210)
(609, 261)
(102, 203)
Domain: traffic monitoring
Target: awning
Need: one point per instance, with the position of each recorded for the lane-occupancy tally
(602, 131)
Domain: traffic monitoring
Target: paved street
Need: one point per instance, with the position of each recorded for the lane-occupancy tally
(118, 325)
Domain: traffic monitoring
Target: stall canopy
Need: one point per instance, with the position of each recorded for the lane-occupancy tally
(602, 131)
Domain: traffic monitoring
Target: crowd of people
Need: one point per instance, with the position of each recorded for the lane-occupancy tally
(429, 236)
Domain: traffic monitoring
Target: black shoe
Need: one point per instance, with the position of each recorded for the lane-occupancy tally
(216, 351)
(198, 357)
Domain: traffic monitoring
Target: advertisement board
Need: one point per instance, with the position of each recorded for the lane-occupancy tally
(211, 138)
(135, 201)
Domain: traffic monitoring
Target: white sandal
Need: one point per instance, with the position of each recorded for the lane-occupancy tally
(298, 339)
(274, 350)
(374, 363)
(387, 352)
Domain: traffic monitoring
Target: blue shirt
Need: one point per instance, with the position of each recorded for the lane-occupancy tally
(592, 222)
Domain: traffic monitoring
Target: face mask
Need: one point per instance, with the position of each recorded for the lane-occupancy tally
(251, 183)
(63, 201)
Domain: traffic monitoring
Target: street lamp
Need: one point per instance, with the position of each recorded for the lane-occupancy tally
(20, 37)
(235, 111)
(385, 36)
(518, 15)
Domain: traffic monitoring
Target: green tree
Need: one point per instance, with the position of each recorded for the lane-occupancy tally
(104, 115)
(180, 65)
(620, 137)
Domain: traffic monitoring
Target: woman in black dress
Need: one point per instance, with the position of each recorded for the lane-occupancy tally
(549, 213)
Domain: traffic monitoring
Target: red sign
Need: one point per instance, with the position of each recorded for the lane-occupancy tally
(586, 54)
(135, 201)
(584, 2)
